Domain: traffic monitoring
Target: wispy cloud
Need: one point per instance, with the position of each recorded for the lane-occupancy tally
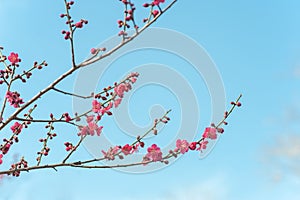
(282, 158)
(296, 72)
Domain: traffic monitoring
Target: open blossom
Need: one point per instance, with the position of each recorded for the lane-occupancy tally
(182, 146)
(91, 128)
(117, 102)
(14, 99)
(110, 154)
(154, 153)
(202, 145)
(120, 89)
(99, 108)
(210, 132)
(14, 58)
(16, 128)
(127, 149)
(1, 156)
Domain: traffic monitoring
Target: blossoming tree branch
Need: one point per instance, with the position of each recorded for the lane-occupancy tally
(15, 120)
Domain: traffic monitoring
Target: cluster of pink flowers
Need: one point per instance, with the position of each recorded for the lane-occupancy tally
(210, 132)
(16, 128)
(14, 99)
(111, 153)
(121, 88)
(91, 128)
(98, 108)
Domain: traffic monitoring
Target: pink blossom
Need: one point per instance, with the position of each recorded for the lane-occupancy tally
(133, 79)
(157, 2)
(1, 156)
(202, 145)
(182, 146)
(154, 153)
(120, 89)
(14, 58)
(99, 108)
(89, 118)
(14, 99)
(127, 149)
(91, 128)
(110, 154)
(96, 106)
(210, 132)
(16, 128)
(117, 102)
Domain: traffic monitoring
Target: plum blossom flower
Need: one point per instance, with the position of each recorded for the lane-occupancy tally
(14, 58)
(157, 2)
(210, 132)
(127, 149)
(14, 99)
(202, 145)
(16, 128)
(182, 146)
(117, 102)
(120, 89)
(99, 108)
(154, 154)
(111, 153)
(91, 128)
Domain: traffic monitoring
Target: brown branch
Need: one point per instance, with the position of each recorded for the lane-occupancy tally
(73, 69)
(89, 61)
(72, 94)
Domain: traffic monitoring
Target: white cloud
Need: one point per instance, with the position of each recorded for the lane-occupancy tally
(212, 189)
(296, 72)
(282, 159)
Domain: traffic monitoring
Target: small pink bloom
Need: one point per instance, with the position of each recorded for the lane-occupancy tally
(89, 118)
(117, 102)
(110, 154)
(1, 156)
(127, 149)
(120, 89)
(96, 106)
(202, 145)
(210, 132)
(154, 153)
(91, 128)
(133, 79)
(16, 128)
(182, 146)
(14, 58)
(155, 13)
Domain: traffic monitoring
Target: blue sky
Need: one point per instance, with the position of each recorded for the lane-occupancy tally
(255, 46)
